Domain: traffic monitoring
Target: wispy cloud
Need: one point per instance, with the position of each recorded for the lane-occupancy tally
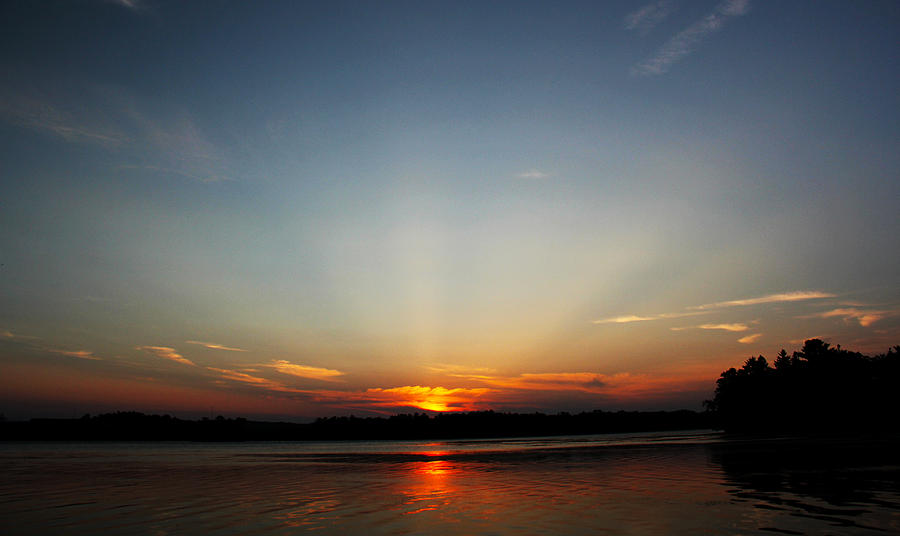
(80, 354)
(464, 370)
(533, 174)
(798, 295)
(45, 117)
(552, 381)
(166, 353)
(215, 346)
(519, 390)
(591, 383)
(865, 317)
(150, 135)
(179, 144)
(793, 296)
(750, 339)
(688, 39)
(6, 334)
(627, 319)
(256, 381)
(135, 5)
(304, 371)
(647, 17)
(199, 177)
(725, 327)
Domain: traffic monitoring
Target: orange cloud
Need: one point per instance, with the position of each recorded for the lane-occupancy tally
(214, 346)
(415, 396)
(550, 381)
(427, 398)
(304, 371)
(864, 317)
(627, 319)
(511, 391)
(166, 353)
(81, 354)
(630, 387)
(263, 383)
(749, 339)
(781, 297)
(797, 295)
(726, 327)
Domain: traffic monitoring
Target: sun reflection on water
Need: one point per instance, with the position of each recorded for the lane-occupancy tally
(436, 468)
(430, 485)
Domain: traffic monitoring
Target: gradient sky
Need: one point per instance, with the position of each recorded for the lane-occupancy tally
(288, 210)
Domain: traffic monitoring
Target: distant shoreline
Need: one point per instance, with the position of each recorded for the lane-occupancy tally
(133, 426)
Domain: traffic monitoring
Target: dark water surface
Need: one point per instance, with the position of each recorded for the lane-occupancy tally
(685, 483)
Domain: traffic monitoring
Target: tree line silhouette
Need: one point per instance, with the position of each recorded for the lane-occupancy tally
(134, 426)
(818, 388)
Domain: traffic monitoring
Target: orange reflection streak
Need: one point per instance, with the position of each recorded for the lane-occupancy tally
(439, 468)
(430, 485)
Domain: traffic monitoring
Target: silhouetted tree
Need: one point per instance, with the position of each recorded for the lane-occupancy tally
(818, 387)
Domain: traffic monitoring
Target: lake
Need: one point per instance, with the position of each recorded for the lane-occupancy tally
(661, 483)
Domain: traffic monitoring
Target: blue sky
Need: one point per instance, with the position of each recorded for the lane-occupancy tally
(510, 204)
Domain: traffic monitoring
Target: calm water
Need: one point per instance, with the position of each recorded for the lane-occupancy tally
(688, 483)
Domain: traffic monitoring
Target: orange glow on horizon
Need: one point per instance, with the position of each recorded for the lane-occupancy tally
(440, 399)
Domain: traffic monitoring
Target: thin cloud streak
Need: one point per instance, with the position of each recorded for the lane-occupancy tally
(799, 295)
(6, 334)
(590, 382)
(533, 174)
(453, 370)
(519, 389)
(134, 5)
(750, 339)
(166, 353)
(45, 117)
(304, 371)
(171, 140)
(215, 346)
(649, 16)
(256, 381)
(865, 317)
(627, 319)
(80, 354)
(686, 41)
(726, 327)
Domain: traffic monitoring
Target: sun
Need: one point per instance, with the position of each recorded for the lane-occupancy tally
(432, 405)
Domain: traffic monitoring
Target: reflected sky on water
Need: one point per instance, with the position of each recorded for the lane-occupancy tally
(640, 484)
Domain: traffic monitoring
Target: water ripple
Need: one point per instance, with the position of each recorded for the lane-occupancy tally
(528, 486)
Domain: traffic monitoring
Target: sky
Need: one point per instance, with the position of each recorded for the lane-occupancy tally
(286, 210)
